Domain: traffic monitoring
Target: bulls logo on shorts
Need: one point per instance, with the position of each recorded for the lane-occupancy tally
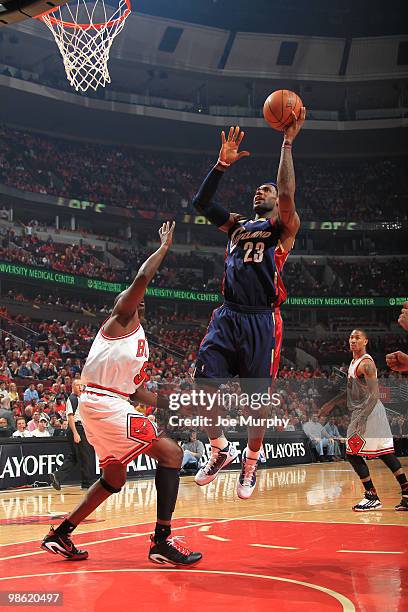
(141, 430)
(356, 443)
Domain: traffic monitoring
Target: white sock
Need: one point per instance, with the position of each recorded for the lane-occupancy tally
(252, 455)
(219, 443)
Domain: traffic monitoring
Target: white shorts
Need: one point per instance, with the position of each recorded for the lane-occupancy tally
(377, 438)
(116, 431)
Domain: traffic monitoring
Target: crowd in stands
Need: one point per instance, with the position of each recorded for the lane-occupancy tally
(369, 277)
(77, 259)
(72, 304)
(352, 190)
(196, 271)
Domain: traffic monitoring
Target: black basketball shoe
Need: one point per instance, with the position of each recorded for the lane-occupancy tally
(54, 482)
(62, 545)
(172, 552)
(403, 505)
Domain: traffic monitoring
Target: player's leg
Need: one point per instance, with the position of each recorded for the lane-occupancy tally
(259, 353)
(58, 540)
(216, 362)
(393, 463)
(370, 500)
(164, 548)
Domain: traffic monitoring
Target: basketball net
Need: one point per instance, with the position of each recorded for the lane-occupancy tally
(84, 32)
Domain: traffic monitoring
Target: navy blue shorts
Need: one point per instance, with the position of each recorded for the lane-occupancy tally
(240, 343)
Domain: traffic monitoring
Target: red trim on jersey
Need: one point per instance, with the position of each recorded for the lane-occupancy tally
(280, 257)
(373, 454)
(223, 274)
(109, 458)
(278, 344)
(117, 337)
(209, 323)
(105, 389)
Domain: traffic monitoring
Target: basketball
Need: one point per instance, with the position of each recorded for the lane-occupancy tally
(278, 107)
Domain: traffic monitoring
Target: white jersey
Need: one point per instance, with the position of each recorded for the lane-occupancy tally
(374, 438)
(352, 371)
(117, 364)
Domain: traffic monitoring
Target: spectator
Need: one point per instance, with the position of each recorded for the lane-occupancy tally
(193, 450)
(8, 415)
(5, 430)
(332, 434)
(25, 371)
(41, 430)
(4, 396)
(33, 424)
(21, 431)
(314, 431)
(13, 393)
(30, 394)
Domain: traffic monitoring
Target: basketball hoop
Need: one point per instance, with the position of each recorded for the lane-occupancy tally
(84, 31)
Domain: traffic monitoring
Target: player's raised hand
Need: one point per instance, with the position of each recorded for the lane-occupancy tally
(166, 233)
(294, 128)
(229, 153)
(397, 361)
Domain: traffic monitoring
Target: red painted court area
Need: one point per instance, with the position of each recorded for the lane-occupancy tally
(248, 565)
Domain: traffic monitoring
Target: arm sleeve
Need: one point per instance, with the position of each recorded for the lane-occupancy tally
(202, 201)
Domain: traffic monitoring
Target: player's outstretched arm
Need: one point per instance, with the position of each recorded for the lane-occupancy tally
(130, 299)
(227, 156)
(288, 216)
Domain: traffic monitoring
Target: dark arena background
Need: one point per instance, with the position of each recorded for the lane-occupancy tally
(87, 178)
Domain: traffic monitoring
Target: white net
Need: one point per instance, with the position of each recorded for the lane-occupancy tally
(84, 33)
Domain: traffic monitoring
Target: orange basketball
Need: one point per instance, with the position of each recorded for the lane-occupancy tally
(278, 108)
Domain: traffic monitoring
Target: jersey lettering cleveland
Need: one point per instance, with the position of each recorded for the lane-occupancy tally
(254, 260)
(118, 364)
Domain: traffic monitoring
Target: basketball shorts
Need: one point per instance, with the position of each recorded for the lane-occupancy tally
(241, 342)
(377, 438)
(116, 431)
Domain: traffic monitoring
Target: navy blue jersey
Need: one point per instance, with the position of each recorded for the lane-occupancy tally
(253, 263)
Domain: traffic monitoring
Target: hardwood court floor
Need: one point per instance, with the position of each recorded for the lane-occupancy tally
(295, 542)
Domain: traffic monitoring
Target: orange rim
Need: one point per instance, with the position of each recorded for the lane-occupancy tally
(84, 26)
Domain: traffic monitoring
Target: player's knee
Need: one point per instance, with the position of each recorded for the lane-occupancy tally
(392, 462)
(359, 466)
(171, 454)
(113, 478)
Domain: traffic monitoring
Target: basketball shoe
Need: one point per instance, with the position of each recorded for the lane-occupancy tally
(218, 460)
(172, 551)
(62, 545)
(369, 502)
(247, 478)
(54, 482)
(403, 505)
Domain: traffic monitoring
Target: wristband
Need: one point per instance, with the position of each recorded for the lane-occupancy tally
(222, 163)
(286, 145)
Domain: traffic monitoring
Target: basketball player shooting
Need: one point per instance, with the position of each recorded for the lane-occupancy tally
(114, 372)
(244, 335)
(369, 433)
